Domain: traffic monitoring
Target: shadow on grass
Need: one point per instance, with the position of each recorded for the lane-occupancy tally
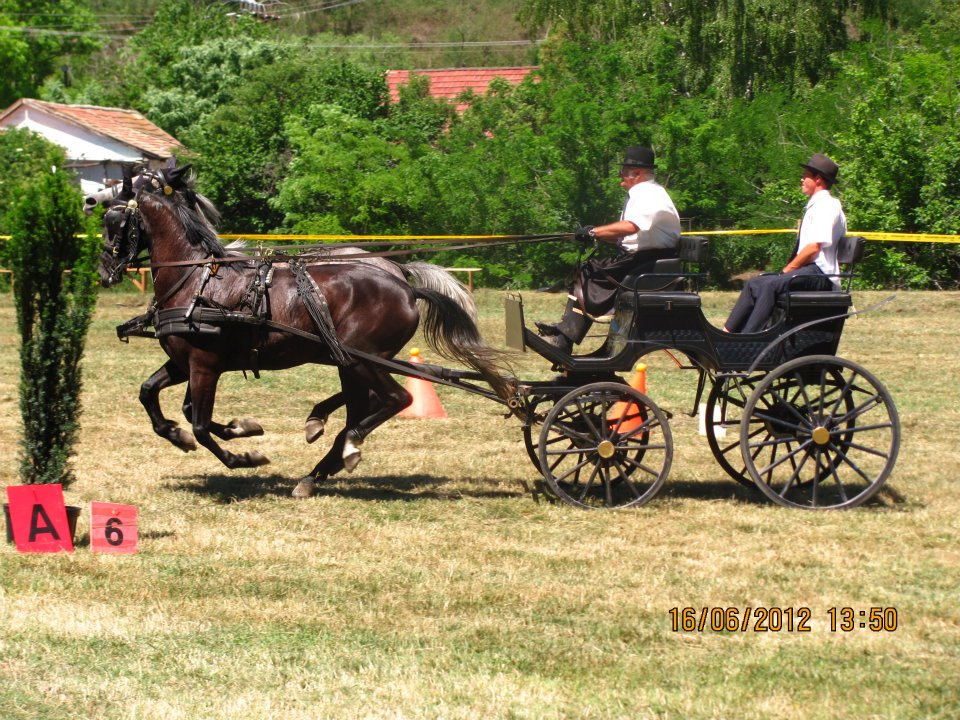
(407, 488)
(886, 498)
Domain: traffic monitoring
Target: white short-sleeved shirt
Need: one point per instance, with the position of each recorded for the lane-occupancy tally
(824, 223)
(653, 212)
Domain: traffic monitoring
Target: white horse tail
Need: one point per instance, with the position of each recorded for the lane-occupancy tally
(435, 278)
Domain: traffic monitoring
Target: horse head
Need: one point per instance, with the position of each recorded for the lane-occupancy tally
(125, 231)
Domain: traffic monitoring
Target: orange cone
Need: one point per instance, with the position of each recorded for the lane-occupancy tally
(638, 381)
(425, 404)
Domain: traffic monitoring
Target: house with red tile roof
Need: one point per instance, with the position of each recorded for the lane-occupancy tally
(450, 83)
(98, 140)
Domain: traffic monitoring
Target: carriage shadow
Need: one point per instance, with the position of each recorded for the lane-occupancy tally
(226, 489)
(887, 498)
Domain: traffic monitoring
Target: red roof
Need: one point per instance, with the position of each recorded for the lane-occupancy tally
(449, 83)
(127, 126)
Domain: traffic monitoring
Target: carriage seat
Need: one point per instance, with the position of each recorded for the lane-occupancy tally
(849, 253)
(670, 273)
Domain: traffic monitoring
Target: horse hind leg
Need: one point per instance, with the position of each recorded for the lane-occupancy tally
(166, 376)
(236, 428)
(374, 398)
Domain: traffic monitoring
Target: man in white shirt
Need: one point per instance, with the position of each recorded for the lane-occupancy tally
(815, 255)
(648, 230)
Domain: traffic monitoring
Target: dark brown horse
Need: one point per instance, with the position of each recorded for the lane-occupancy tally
(217, 311)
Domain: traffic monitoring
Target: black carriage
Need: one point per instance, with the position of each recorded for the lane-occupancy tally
(810, 429)
(783, 412)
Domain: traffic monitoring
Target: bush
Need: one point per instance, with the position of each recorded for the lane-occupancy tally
(53, 312)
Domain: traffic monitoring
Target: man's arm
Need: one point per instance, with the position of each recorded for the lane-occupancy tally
(807, 255)
(614, 231)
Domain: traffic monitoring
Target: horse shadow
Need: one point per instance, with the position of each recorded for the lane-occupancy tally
(226, 489)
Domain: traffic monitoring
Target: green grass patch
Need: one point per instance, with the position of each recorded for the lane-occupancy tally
(427, 584)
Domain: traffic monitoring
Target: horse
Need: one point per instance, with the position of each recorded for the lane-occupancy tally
(217, 310)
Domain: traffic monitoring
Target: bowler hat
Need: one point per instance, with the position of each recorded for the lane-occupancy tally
(638, 156)
(823, 166)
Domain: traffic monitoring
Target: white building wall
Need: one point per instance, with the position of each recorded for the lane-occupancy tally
(79, 144)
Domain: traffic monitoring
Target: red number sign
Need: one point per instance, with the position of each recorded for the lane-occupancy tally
(113, 528)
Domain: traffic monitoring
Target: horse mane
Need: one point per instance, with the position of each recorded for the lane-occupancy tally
(196, 213)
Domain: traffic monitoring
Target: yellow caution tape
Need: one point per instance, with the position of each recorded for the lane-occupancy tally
(867, 234)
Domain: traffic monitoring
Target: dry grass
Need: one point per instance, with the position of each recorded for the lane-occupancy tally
(428, 585)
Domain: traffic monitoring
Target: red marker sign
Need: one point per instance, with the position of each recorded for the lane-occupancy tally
(113, 528)
(38, 518)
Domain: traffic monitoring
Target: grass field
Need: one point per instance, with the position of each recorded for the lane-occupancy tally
(428, 585)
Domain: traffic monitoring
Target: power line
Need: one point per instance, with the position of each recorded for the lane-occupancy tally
(27, 30)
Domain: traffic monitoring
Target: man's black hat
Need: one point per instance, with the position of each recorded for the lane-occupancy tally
(638, 156)
(823, 166)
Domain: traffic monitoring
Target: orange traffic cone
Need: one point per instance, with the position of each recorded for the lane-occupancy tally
(631, 412)
(425, 404)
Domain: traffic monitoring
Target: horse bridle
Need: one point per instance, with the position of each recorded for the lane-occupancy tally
(125, 244)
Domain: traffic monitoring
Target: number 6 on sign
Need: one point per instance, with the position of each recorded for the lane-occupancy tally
(113, 528)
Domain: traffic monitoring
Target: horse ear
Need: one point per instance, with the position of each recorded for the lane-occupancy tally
(177, 175)
(126, 191)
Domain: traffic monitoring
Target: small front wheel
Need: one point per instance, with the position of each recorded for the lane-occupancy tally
(605, 445)
(830, 435)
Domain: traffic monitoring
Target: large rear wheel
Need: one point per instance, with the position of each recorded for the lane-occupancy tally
(830, 436)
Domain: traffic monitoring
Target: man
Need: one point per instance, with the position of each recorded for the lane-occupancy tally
(814, 259)
(648, 230)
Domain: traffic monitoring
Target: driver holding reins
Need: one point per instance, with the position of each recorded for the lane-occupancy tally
(648, 230)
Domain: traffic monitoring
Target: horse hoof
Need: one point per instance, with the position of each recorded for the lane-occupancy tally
(351, 455)
(255, 458)
(305, 488)
(314, 428)
(183, 440)
(245, 427)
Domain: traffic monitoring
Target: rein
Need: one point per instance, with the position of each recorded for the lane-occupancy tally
(279, 254)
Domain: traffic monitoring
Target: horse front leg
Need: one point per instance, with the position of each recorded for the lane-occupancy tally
(203, 388)
(236, 428)
(167, 376)
(317, 420)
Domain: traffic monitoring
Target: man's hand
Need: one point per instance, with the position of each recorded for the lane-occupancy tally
(582, 234)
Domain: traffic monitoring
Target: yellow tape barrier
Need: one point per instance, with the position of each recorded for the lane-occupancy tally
(869, 235)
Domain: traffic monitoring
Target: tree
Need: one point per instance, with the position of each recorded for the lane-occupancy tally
(242, 149)
(23, 156)
(37, 36)
(53, 312)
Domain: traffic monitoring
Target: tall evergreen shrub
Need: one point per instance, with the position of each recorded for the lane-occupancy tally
(53, 310)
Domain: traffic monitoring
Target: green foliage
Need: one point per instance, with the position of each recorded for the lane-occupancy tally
(201, 79)
(732, 96)
(53, 311)
(23, 156)
(29, 57)
(242, 150)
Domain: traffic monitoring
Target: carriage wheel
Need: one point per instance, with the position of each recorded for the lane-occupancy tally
(730, 395)
(831, 434)
(605, 445)
(531, 431)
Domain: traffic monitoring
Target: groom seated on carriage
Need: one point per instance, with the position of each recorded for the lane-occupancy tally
(648, 230)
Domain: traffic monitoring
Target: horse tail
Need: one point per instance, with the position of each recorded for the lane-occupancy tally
(453, 333)
(433, 277)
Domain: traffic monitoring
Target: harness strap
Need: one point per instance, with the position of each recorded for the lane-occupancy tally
(316, 305)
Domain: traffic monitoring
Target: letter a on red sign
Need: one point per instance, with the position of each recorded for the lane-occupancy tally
(38, 518)
(113, 528)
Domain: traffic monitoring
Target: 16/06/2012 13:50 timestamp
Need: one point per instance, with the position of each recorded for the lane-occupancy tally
(779, 619)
